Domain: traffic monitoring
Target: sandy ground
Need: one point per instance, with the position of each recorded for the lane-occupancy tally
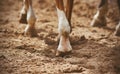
(95, 50)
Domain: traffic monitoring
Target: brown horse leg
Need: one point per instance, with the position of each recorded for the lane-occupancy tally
(100, 17)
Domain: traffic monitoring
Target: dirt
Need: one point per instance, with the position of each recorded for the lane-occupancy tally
(95, 50)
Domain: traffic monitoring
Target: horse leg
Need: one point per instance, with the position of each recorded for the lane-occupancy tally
(117, 32)
(63, 28)
(100, 17)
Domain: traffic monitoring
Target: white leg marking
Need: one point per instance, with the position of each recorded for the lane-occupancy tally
(95, 18)
(63, 27)
(97, 15)
(117, 32)
(23, 11)
(118, 26)
(31, 19)
(99, 19)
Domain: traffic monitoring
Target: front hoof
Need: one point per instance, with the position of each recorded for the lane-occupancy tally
(60, 53)
(31, 32)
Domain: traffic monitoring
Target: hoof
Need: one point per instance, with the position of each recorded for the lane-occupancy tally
(23, 18)
(117, 33)
(59, 53)
(30, 32)
(64, 46)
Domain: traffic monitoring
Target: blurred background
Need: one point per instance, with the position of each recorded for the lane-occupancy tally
(95, 50)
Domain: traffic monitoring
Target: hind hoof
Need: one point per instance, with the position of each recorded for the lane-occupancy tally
(117, 33)
(23, 18)
(98, 22)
